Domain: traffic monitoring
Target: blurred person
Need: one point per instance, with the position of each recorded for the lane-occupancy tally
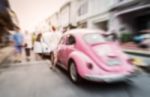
(37, 48)
(28, 45)
(33, 38)
(55, 38)
(18, 39)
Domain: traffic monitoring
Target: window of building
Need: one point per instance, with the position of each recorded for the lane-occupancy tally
(83, 9)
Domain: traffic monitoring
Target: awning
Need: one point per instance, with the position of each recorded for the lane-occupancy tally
(133, 9)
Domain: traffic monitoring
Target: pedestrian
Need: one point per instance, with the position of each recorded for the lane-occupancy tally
(55, 37)
(18, 39)
(28, 45)
(37, 48)
(33, 38)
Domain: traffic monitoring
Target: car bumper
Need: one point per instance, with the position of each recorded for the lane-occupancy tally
(109, 78)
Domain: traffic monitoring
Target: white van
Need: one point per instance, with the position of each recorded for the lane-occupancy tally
(50, 41)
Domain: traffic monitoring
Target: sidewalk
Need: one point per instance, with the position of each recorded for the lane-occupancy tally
(5, 53)
(131, 48)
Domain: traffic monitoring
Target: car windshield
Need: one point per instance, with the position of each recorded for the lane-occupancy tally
(94, 38)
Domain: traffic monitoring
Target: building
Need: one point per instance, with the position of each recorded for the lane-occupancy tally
(14, 18)
(74, 6)
(85, 14)
(7, 21)
(94, 13)
(130, 16)
(6, 16)
(64, 15)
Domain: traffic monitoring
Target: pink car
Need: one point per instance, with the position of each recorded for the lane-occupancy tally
(86, 54)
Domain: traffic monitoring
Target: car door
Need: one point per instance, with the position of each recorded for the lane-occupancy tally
(60, 49)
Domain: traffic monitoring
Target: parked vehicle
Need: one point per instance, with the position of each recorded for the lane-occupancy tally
(50, 41)
(86, 54)
(143, 40)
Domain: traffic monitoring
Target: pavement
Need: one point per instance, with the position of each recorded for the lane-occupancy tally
(35, 79)
(5, 53)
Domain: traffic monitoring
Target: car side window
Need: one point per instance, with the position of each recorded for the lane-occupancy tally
(70, 40)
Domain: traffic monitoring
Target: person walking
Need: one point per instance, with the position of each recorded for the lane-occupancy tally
(37, 48)
(18, 39)
(55, 38)
(33, 39)
(28, 45)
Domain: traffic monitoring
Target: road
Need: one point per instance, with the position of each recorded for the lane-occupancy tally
(35, 79)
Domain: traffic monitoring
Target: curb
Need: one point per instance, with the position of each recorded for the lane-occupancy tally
(4, 58)
(137, 52)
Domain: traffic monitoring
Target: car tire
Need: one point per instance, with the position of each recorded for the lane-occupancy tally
(73, 73)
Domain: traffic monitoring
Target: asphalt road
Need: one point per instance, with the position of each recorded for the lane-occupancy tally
(35, 79)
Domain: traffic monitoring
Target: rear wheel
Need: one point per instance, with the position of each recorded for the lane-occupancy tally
(73, 74)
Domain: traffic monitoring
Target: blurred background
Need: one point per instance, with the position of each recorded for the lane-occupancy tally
(128, 19)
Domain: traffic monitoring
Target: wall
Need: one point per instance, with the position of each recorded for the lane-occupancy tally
(54, 20)
(64, 16)
(74, 6)
(99, 13)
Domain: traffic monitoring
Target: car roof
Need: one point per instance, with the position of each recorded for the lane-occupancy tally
(81, 32)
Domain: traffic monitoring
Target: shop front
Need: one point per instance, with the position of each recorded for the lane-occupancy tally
(132, 24)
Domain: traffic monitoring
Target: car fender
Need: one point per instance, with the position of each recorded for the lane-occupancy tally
(81, 60)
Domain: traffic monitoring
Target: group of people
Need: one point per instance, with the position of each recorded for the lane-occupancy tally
(22, 41)
(40, 43)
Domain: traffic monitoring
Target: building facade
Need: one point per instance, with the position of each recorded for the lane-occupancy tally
(94, 13)
(64, 15)
(120, 16)
(130, 16)
(85, 14)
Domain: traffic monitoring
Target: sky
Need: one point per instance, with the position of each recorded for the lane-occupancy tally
(32, 12)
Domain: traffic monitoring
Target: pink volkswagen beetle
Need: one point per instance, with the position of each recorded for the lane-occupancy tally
(86, 54)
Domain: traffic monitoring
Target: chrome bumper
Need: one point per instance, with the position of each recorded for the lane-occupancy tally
(109, 78)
